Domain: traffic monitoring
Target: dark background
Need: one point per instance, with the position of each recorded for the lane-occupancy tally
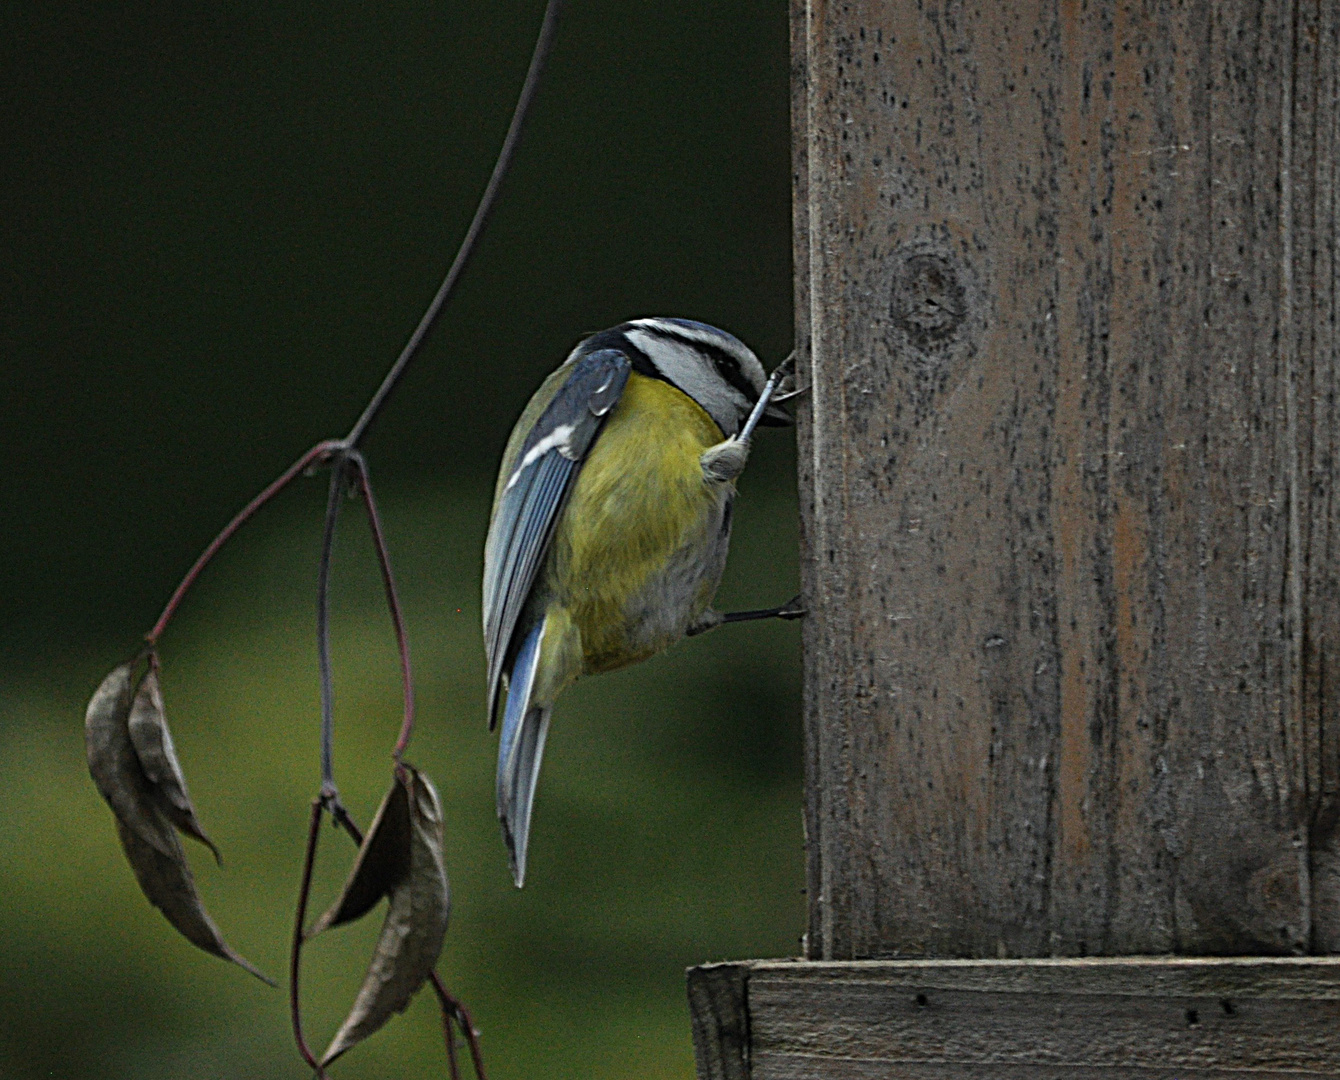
(219, 225)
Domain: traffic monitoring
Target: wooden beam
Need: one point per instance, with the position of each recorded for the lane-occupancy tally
(1066, 301)
(1067, 1019)
(718, 1006)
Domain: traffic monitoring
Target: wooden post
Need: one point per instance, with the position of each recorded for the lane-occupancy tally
(1065, 295)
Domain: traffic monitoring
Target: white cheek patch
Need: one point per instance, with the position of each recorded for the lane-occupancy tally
(690, 371)
(556, 439)
(670, 359)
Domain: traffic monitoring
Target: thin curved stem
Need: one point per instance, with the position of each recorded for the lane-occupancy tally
(330, 447)
(345, 822)
(543, 43)
(323, 630)
(453, 1008)
(327, 448)
(295, 954)
(449, 1037)
(321, 450)
(392, 601)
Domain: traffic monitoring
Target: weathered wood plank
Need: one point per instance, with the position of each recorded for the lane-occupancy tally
(999, 1020)
(814, 633)
(1317, 397)
(801, 1068)
(1277, 978)
(1066, 285)
(719, 1009)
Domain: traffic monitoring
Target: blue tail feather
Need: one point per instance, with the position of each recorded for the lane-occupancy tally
(520, 749)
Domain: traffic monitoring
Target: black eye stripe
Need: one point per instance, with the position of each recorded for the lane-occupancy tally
(727, 365)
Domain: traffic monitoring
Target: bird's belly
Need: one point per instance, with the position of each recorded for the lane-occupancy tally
(622, 626)
(642, 543)
(670, 598)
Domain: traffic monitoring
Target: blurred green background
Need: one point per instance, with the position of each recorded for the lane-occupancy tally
(220, 224)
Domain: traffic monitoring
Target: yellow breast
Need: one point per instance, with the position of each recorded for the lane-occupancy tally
(640, 502)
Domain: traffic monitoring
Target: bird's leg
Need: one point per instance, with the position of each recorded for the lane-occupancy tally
(725, 461)
(710, 620)
(792, 609)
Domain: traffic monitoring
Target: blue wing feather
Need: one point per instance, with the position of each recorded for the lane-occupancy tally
(532, 497)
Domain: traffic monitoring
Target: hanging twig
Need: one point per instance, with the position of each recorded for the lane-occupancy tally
(323, 631)
(346, 452)
(295, 954)
(341, 455)
(329, 449)
(316, 455)
(543, 43)
(449, 1035)
(392, 601)
(453, 1009)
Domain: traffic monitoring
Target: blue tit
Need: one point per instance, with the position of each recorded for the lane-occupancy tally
(611, 521)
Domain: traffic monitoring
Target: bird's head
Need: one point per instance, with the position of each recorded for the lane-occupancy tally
(716, 369)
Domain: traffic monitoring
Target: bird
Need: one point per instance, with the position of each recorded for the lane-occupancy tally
(610, 525)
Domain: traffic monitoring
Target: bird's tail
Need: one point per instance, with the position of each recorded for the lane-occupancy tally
(524, 728)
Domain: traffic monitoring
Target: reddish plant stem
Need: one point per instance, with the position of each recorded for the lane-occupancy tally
(392, 602)
(320, 451)
(295, 956)
(449, 1037)
(452, 1007)
(328, 790)
(344, 821)
(342, 451)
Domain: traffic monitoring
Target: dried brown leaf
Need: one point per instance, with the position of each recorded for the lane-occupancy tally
(152, 740)
(383, 862)
(142, 815)
(416, 922)
(167, 882)
(114, 765)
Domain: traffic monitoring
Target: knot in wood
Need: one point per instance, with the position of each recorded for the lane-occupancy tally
(928, 300)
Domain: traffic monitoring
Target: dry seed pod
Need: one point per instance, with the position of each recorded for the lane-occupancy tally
(140, 807)
(152, 739)
(416, 921)
(383, 862)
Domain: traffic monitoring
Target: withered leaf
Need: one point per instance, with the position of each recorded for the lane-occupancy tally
(141, 811)
(167, 882)
(416, 921)
(383, 862)
(152, 739)
(114, 765)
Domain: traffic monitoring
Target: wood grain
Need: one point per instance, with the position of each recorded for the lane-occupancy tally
(1066, 299)
(719, 1009)
(1103, 1019)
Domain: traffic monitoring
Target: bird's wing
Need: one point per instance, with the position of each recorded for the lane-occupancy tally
(539, 469)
